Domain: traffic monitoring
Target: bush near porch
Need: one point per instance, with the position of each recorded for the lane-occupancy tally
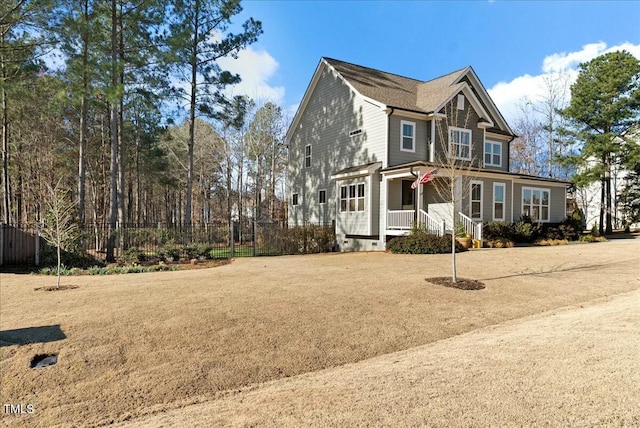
(421, 242)
(525, 231)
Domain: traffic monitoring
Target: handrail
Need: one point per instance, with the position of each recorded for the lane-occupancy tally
(400, 219)
(431, 224)
(471, 226)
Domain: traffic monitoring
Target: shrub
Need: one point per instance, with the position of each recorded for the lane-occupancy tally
(496, 230)
(499, 243)
(591, 238)
(420, 242)
(169, 251)
(525, 230)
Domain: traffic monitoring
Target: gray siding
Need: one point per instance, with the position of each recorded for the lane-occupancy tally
(332, 112)
(423, 132)
(487, 199)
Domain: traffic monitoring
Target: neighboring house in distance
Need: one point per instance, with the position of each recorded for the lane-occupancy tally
(361, 137)
(588, 198)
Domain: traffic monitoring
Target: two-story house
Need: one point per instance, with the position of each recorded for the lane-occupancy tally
(361, 137)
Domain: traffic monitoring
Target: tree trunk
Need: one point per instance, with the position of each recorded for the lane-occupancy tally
(192, 113)
(6, 199)
(113, 113)
(83, 116)
(609, 227)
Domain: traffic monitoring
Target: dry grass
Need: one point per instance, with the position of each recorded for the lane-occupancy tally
(145, 343)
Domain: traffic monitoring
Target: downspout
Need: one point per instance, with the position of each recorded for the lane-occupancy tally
(384, 182)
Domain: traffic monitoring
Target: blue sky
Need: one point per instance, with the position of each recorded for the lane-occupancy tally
(510, 44)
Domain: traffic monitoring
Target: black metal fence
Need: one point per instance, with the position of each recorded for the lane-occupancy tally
(139, 243)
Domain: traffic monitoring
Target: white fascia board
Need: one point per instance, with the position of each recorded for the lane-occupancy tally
(305, 99)
(486, 98)
(466, 90)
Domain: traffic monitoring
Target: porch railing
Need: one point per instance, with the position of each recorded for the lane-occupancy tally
(400, 219)
(472, 227)
(431, 224)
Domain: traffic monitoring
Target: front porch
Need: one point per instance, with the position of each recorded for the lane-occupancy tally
(400, 222)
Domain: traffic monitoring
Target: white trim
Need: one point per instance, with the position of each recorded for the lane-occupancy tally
(484, 153)
(541, 189)
(481, 183)
(432, 148)
(513, 197)
(413, 136)
(359, 173)
(460, 102)
(461, 130)
(504, 202)
(482, 92)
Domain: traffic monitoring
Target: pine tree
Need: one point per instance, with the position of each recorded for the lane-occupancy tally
(605, 103)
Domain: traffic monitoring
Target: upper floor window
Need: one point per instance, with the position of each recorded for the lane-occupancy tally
(535, 203)
(407, 136)
(460, 143)
(294, 199)
(307, 156)
(492, 154)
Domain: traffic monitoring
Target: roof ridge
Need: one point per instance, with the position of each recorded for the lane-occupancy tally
(374, 69)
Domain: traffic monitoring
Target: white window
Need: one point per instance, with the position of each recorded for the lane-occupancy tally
(460, 102)
(498, 201)
(460, 143)
(476, 199)
(407, 136)
(536, 203)
(322, 196)
(307, 156)
(352, 197)
(492, 154)
(294, 199)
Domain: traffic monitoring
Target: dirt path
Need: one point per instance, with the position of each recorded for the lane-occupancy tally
(576, 367)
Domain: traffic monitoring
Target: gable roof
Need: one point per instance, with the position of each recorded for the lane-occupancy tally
(420, 96)
(413, 95)
(394, 90)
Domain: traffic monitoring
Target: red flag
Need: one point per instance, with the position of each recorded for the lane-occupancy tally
(428, 176)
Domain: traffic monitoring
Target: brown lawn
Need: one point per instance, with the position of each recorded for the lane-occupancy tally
(139, 345)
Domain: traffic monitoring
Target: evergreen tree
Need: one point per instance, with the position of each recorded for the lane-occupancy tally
(605, 103)
(196, 43)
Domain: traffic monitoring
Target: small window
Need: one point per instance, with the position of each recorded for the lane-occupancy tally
(460, 102)
(361, 197)
(407, 136)
(492, 154)
(476, 199)
(498, 201)
(322, 196)
(343, 198)
(294, 199)
(307, 156)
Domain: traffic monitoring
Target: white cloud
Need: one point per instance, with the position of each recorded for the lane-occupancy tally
(508, 95)
(255, 68)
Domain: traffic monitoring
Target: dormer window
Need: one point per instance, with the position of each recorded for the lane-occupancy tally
(407, 136)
